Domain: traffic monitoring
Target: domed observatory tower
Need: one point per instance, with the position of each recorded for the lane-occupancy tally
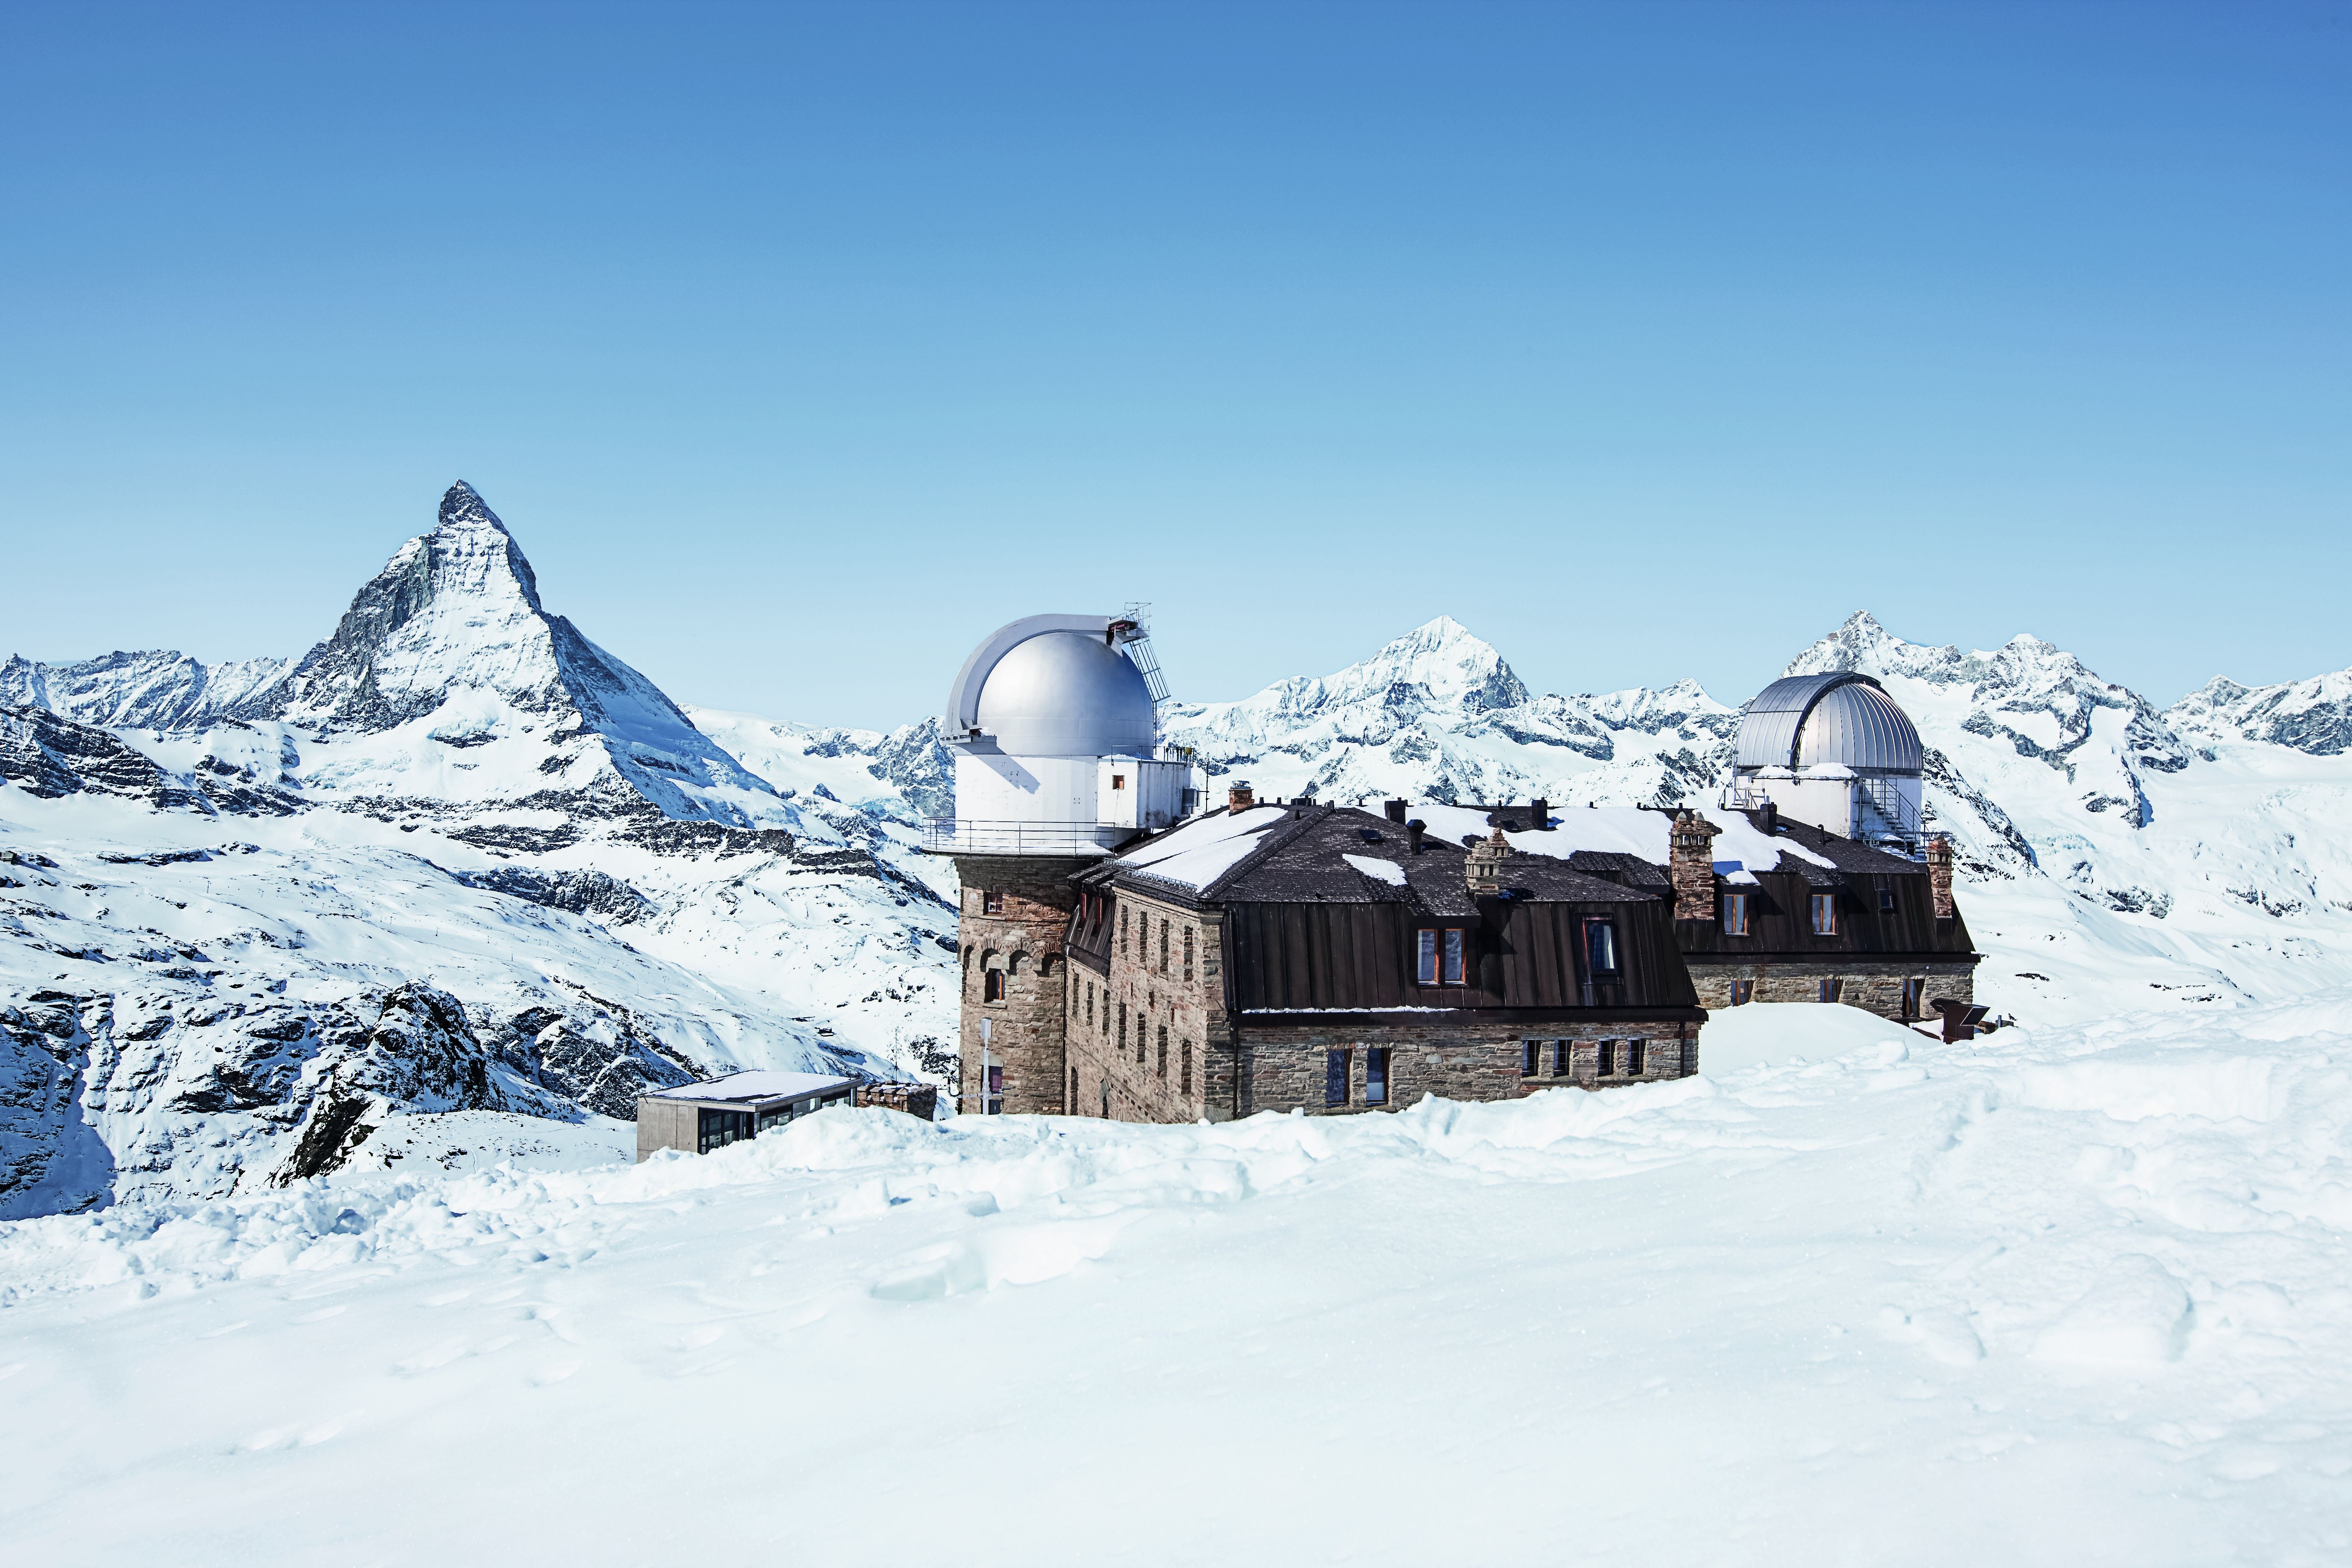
(1053, 725)
(1833, 751)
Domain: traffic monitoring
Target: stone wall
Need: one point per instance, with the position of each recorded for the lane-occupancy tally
(1283, 1069)
(1022, 937)
(1876, 986)
(919, 1100)
(1122, 1074)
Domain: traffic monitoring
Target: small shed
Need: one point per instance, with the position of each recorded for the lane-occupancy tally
(700, 1117)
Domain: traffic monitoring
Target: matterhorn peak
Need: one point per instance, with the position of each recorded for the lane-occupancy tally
(462, 507)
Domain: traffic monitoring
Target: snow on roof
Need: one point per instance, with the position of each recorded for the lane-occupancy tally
(1387, 872)
(1198, 853)
(1622, 830)
(755, 1085)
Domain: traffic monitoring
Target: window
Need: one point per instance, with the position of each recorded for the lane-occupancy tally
(1188, 953)
(1825, 914)
(1118, 781)
(993, 986)
(995, 1091)
(1608, 1055)
(1600, 947)
(1911, 990)
(1184, 1073)
(1528, 1051)
(1074, 1091)
(1563, 1057)
(1163, 1051)
(1887, 901)
(1090, 1017)
(1734, 914)
(1122, 1028)
(1440, 956)
(991, 901)
(1164, 947)
(1376, 1075)
(1636, 1050)
(1832, 990)
(1335, 1077)
(1122, 933)
(1743, 992)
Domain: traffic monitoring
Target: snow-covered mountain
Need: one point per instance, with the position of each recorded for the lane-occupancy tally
(225, 876)
(226, 887)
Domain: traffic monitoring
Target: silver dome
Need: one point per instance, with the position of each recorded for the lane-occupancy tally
(1810, 721)
(1066, 694)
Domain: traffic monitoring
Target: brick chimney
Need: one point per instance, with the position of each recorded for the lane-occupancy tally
(1239, 799)
(1692, 865)
(1482, 866)
(1395, 809)
(1939, 874)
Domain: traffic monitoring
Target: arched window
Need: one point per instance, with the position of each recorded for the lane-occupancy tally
(1020, 961)
(1049, 964)
(967, 955)
(993, 986)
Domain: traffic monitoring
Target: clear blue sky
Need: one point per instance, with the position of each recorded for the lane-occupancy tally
(801, 345)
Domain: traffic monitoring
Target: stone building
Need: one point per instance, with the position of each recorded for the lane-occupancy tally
(1330, 960)
(1124, 955)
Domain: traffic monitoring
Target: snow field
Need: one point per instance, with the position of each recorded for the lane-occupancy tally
(1855, 1296)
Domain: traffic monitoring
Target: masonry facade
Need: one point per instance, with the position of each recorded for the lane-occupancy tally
(1011, 924)
(1339, 962)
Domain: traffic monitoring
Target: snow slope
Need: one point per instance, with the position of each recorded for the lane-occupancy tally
(2066, 1295)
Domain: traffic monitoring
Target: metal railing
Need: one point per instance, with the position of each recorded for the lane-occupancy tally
(972, 835)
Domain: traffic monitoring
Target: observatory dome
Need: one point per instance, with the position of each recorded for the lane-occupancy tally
(1817, 720)
(1068, 694)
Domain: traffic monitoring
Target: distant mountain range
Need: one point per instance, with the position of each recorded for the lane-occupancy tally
(458, 858)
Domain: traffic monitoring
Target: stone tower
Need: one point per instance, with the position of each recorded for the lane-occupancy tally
(1054, 731)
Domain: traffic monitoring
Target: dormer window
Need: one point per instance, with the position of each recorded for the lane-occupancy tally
(1441, 957)
(1734, 914)
(1887, 901)
(1825, 914)
(1600, 948)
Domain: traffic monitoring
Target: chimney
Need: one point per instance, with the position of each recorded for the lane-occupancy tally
(1395, 810)
(1482, 866)
(1939, 874)
(1413, 832)
(1239, 799)
(1772, 817)
(1542, 809)
(1692, 865)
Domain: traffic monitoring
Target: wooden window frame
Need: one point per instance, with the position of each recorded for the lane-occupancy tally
(1530, 1057)
(1341, 1057)
(1376, 1072)
(1637, 1052)
(991, 900)
(1743, 992)
(992, 984)
(1823, 908)
(1734, 914)
(1604, 1058)
(1563, 1058)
